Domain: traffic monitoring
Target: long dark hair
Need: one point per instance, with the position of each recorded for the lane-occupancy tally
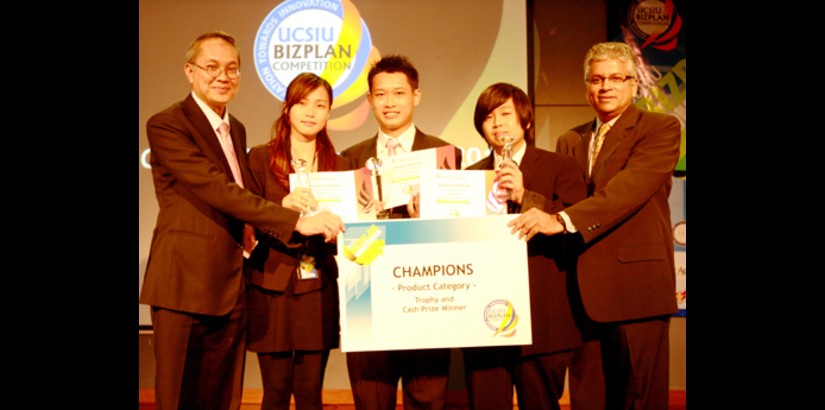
(280, 145)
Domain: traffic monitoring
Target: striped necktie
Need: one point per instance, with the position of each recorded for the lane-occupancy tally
(597, 146)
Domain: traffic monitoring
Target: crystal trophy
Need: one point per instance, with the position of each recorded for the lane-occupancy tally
(306, 266)
(302, 181)
(374, 164)
(506, 155)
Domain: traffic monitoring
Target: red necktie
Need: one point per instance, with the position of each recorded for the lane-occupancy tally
(229, 151)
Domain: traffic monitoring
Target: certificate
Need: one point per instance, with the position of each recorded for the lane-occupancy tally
(450, 193)
(401, 174)
(344, 193)
(438, 283)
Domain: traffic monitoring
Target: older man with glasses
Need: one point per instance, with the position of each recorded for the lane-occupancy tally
(624, 290)
(194, 278)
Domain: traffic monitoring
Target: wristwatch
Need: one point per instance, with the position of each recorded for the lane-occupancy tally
(561, 221)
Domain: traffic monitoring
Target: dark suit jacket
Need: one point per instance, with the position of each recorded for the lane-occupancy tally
(275, 292)
(551, 182)
(364, 150)
(281, 259)
(196, 256)
(626, 270)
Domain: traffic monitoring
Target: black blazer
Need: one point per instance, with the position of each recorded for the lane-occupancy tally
(196, 256)
(272, 265)
(552, 182)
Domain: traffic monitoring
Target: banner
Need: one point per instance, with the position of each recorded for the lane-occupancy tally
(439, 283)
(656, 30)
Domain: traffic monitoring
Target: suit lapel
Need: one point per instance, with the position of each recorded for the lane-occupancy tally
(418, 141)
(370, 151)
(208, 140)
(615, 136)
(489, 163)
(528, 167)
(582, 155)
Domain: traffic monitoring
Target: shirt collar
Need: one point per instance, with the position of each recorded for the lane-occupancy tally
(214, 119)
(406, 139)
(599, 124)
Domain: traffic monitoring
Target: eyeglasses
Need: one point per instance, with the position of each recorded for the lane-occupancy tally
(612, 80)
(214, 71)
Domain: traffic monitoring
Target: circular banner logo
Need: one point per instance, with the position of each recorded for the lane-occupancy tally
(325, 37)
(680, 233)
(657, 22)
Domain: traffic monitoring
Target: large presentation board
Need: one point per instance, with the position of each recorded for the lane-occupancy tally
(459, 48)
(433, 283)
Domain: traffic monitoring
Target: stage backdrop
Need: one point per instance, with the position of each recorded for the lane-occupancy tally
(459, 48)
(656, 29)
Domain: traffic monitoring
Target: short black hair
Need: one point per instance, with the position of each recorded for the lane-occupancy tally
(394, 63)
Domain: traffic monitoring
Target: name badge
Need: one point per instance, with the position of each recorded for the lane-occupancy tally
(306, 269)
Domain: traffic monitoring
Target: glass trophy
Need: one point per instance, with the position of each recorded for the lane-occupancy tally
(374, 164)
(306, 266)
(503, 194)
(302, 181)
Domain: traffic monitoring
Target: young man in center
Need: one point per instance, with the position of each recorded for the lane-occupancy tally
(393, 94)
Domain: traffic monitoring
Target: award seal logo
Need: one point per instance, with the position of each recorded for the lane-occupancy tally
(500, 316)
(656, 22)
(326, 37)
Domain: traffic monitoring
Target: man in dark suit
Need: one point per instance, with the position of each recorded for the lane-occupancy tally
(393, 94)
(193, 279)
(550, 182)
(626, 280)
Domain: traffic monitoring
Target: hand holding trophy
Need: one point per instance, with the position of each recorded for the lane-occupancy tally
(374, 164)
(302, 182)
